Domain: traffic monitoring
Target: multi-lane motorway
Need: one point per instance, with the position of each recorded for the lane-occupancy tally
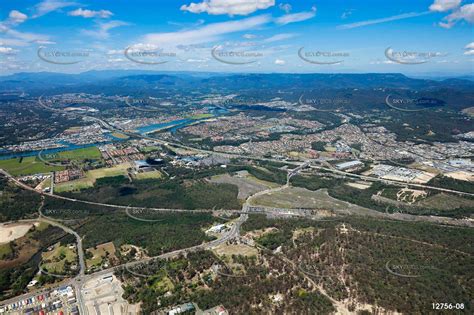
(81, 278)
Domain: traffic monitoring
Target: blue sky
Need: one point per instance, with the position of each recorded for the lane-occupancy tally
(433, 37)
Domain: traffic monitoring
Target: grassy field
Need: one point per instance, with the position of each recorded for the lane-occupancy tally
(54, 260)
(5, 250)
(91, 176)
(150, 149)
(92, 153)
(163, 284)
(32, 165)
(235, 249)
(28, 166)
(148, 175)
(119, 135)
(296, 197)
(99, 254)
(443, 201)
(201, 116)
(247, 184)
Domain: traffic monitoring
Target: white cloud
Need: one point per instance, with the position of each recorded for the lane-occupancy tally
(469, 49)
(115, 52)
(382, 20)
(24, 37)
(16, 17)
(285, 7)
(12, 42)
(105, 14)
(205, 34)
(466, 12)
(444, 5)
(381, 62)
(47, 6)
(249, 36)
(296, 17)
(346, 14)
(7, 50)
(193, 60)
(14, 37)
(44, 42)
(279, 37)
(102, 30)
(280, 62)
(193, 24)
(230, 7)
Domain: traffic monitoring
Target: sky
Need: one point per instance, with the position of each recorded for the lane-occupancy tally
(432, 37)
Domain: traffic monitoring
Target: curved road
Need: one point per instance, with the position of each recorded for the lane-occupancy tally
(231, 155)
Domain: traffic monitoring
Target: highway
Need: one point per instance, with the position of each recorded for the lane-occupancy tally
(80, 279)
(24, 186)
(250, 157)
(392, 182)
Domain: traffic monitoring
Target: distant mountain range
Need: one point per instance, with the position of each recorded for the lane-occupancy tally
(123, 80)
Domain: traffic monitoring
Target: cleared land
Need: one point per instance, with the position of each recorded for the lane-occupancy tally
(443, 201)
(27, 166)
(461, 175)
(11, 232)
(235, 249)
(103, 295)
(247, 184)
(103, 252)
(56, 259)
(295, 197)
(91, 176)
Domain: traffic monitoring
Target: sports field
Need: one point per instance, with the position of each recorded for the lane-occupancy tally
(92, 153)
(119, 135)
(149, 175)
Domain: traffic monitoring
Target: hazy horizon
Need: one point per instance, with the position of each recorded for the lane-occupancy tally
(428, 38)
